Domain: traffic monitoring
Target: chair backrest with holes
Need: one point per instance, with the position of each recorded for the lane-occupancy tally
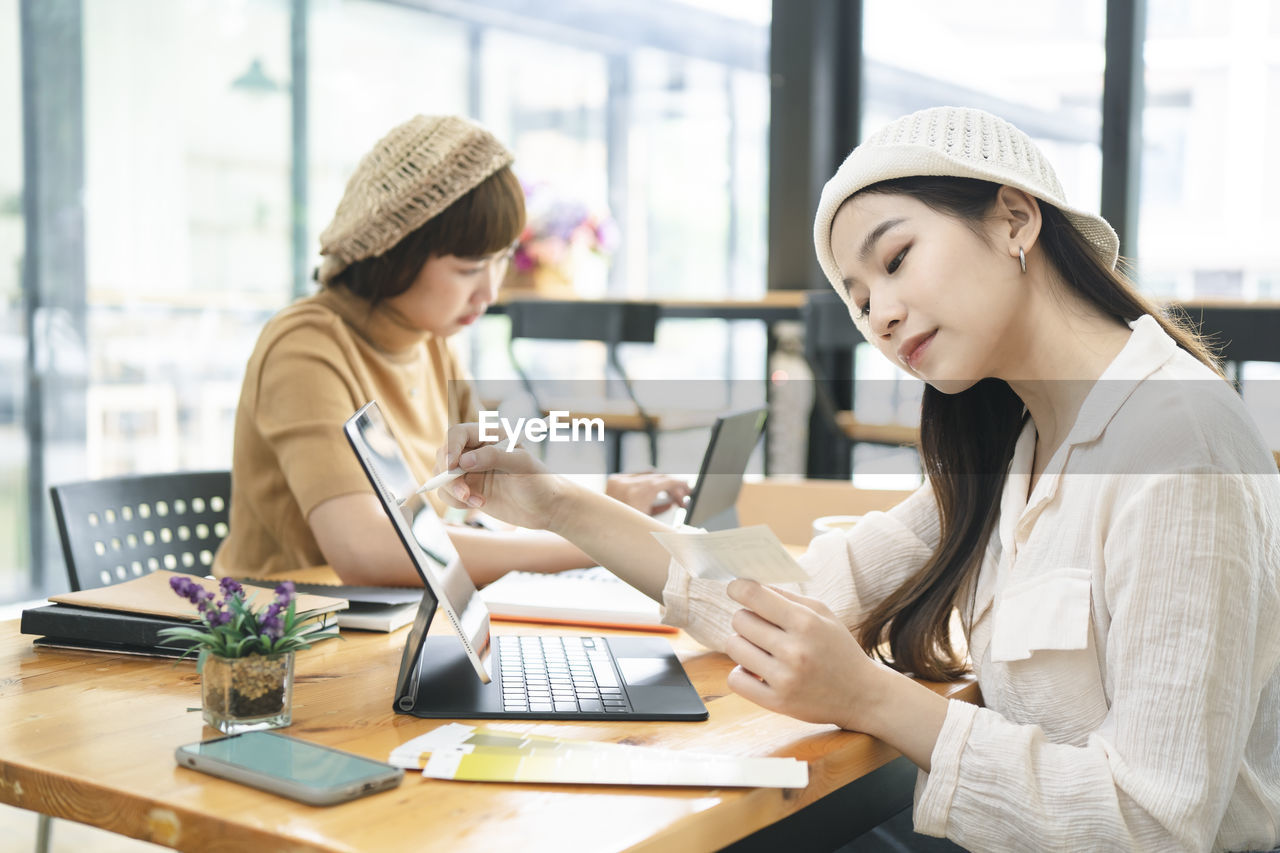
(123, 527)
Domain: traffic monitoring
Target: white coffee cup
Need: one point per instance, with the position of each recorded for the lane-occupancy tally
(834, 522)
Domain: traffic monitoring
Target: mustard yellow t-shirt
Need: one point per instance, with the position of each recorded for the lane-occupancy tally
(315, 363)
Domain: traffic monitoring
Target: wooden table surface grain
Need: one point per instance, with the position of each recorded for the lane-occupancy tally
(90, 737)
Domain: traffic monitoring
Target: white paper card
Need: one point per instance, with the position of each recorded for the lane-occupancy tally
(752, 552)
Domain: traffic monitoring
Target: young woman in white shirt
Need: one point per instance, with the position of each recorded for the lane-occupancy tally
(1098, 507)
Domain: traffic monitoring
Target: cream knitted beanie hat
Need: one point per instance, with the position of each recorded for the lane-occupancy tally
(414, 172)
(955, 142)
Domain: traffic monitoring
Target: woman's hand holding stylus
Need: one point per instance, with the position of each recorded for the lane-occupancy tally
(509, 484)
(516, 487)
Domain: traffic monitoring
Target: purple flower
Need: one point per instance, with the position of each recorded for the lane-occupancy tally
(202, 598)
(187, 588)
(523, 259)
(232, 628)
(272, 626)
(607, 235)
(554, 225)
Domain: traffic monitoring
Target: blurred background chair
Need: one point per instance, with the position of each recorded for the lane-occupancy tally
(830, 343)
(612, 398)
(119, 528)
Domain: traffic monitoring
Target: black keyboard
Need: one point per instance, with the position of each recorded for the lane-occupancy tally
(563, 675)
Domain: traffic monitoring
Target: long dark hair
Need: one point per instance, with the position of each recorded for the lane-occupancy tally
(967, 439)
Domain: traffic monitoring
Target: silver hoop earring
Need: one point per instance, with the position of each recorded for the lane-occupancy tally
(1022, 259)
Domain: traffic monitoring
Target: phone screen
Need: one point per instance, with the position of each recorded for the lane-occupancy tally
(289, 758)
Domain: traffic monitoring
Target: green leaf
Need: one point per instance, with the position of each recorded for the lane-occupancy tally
(193, 634)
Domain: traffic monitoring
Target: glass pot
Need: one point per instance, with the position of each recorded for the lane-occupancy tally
(248, 693)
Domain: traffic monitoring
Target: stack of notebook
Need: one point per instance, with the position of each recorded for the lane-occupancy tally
(128, 617)
(370, 608)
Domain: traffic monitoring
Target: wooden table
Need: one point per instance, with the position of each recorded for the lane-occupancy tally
(770, 307)
(90, 737)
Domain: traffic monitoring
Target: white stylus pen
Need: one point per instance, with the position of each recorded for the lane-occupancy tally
(446, 477)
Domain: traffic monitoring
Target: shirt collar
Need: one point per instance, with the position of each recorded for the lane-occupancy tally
(1146, 351)
(381, 325)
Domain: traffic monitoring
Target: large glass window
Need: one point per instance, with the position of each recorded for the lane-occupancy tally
(14, 543)
(189, 216)
(187, 221)
(1038, 66)
(1211, 124)
(410, 62)
(670, 151)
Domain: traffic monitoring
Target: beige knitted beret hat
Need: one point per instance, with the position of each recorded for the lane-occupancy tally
(955, 142)
(414, 172)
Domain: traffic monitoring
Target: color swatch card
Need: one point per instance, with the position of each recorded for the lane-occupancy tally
(415, 753)
(752, 552)
(572, 764)
(466, 753)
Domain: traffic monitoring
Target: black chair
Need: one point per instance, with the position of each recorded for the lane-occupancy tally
(120, 528)
(613, 323)
(829, 346)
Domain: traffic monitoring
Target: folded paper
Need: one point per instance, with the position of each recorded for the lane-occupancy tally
(752, 552)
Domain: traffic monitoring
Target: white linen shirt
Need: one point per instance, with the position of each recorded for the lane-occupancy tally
(1124, 626)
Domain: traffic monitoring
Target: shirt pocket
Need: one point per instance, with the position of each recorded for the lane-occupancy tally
(1049, 611)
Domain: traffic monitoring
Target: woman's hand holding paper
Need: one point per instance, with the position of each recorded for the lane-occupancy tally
(795, 657)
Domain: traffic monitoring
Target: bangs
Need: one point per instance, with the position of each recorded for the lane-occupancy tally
(486, 220)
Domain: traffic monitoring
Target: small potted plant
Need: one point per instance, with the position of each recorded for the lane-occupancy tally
(246, 653)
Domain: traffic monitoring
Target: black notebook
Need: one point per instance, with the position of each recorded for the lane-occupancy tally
(93, 629)
(102, 630)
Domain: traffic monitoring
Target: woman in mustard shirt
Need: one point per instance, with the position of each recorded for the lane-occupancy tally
(415, 253)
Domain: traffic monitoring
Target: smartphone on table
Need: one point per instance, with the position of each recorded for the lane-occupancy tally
(284, 765)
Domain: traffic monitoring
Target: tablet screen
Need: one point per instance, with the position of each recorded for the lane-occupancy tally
(421, 531)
